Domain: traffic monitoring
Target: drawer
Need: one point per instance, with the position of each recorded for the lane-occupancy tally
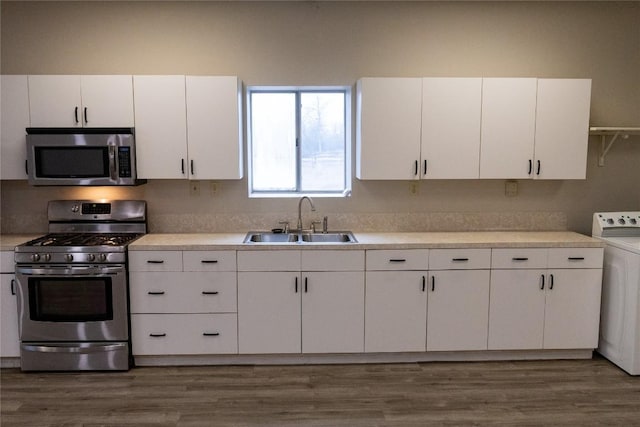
(519, 258)
(409, 259)
(180, 334)
(209, 260)
(576, 257)
(347, 260)
(459, 259)
(269, 260)
(155, 261)
(7, 263)
(189, 292)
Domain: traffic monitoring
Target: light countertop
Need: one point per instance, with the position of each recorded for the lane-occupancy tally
(9, 241)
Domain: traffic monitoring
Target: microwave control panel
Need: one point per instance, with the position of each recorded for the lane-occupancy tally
(124, 162)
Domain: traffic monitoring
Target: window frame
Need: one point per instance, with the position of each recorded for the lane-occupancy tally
(347, 147)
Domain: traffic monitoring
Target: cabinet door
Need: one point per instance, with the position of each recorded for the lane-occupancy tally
(508, 127)
(451, 128)
(572, 312)
(333, 312)
(107, 101)
(14, 118)
(388, 128)
(161, 126)
(562, 128)
(9, 340)
(458, 310)
(269, 312)
(516, 309)
(395, 311)
(214, 127)
(55, 101)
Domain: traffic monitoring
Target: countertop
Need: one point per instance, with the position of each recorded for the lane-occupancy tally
(476, 239)
(9, 241)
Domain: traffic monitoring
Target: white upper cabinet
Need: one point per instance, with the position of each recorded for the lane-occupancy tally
(562, 128)
(14, 92)
(388, 128)
(214, 127)
(161, 127)
(508, 127)
(77, 101)
(451, 128)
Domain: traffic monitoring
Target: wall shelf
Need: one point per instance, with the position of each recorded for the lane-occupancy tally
(614, 133)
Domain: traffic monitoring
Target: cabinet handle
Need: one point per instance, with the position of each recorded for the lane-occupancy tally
(209, 261)
(157, 335)
(425, 167)
(424, 283)
(520, 259)
(538, 168)
(397, 260)
(182, 166)
(542, 285)
(192, 168)
(576, 258)
(305, 284)
(460, 259)
(296, 285)
(209, 292)
(155, 261)
(550, 281)
(210, 334)
(26, 167)
(75, 114)
(530, 166)
(86, 120)
(156, 292)
(433, 283)
(13, 286)
(416, 169)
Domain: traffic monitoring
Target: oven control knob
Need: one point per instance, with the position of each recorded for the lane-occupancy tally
(610, 221)
(103, 257)
(68, 257)
(35, 257)
(622, 221)
(91, 257)
(633, 221)
(47, 257)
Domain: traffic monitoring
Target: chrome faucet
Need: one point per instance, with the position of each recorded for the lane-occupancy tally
(313, 208)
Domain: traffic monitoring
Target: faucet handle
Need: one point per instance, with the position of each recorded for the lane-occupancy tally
(286, 225)
(313, 225)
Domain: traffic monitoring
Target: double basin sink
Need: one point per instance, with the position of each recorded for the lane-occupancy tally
(302, 237)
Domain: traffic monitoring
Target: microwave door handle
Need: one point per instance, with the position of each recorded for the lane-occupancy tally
(112, 162)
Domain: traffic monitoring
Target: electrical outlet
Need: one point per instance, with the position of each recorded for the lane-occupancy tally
(511, 188)
(413, 188)
(194, 188)
(213, 187)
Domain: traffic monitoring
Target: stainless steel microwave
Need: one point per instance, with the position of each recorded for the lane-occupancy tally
(81, 156)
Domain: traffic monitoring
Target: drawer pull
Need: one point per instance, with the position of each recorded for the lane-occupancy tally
(576, 258)
(157, 335)
(520, 259)
(397, 260)
(209, 261)
(155, 261)
(210, 334)
(460, 259)
(209, 292)
(156, 292)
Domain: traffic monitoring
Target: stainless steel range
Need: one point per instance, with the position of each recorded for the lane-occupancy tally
(73, 303)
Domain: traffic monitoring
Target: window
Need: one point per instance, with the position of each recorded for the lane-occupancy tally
(299, 141)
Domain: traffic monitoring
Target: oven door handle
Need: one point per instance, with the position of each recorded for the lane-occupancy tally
(94, 348)
(75, 271)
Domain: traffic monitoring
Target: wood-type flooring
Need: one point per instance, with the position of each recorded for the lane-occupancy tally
(527, 393)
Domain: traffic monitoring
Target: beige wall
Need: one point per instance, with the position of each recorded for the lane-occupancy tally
(336, 43)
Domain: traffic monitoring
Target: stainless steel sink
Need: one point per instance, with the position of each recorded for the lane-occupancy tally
(271, 237)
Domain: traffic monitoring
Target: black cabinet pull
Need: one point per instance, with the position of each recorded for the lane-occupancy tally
(305, 284)
(13, 286)
(26, 167)
(209, 261)
(75, 114)
(460, 259)
(85, 115)
(530, 166)
(416, 169)
(538, 169)
(576, 258)
(155, 261)
(157, 335)
(424, 283)
(156, 292)
(433, 283)
(550, 281)
(182, 166)
(397, 260)
(209, 292)
(520, 259)
(210, 334)
(542, 285)
(296, 285)
(425, 167)
(192, 168)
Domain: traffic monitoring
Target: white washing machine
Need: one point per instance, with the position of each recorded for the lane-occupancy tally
(620, 310)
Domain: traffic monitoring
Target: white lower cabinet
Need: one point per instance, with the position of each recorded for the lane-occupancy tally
(9, 339)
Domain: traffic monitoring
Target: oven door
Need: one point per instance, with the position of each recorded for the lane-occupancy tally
(72, 303)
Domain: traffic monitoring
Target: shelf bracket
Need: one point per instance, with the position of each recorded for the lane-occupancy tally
(604, 147)
(615, 133)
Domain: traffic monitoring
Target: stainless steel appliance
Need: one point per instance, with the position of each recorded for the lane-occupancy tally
(81, 156)
(620, 310)
(73, 287)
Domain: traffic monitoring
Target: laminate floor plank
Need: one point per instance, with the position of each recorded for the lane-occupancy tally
(528, 393)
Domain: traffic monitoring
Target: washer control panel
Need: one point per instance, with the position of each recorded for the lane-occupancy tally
(616, 224)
